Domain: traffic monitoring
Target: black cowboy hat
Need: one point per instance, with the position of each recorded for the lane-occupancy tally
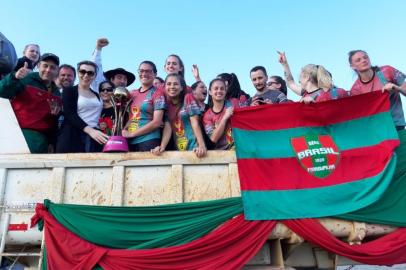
(111, 73)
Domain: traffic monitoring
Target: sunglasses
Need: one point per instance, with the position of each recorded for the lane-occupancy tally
(146, 71)
(88, 72)
(109, 89)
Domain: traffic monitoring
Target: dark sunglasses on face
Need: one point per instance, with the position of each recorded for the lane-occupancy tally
(109, 89)
(88, 72)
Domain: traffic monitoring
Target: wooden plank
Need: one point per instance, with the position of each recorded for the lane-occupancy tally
(88, 186)
(57, 185)
(117, 159)
(26, 186)
(234, 180)
(206, 182)
(175, 184)
(147, 185)
(117, 190)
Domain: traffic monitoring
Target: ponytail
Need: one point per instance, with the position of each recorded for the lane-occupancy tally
(324, 79)
(319, 76)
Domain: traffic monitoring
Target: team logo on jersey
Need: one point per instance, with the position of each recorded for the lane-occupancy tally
(318, 154)
(135, 119)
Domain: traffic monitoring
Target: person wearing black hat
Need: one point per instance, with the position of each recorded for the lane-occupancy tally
(36, 101)
(118, 76)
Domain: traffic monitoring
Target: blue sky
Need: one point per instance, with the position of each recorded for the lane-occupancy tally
(219, 36)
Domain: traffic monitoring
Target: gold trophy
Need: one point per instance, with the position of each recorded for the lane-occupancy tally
(121, 100)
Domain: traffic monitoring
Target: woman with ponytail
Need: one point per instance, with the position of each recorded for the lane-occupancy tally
(316, 83)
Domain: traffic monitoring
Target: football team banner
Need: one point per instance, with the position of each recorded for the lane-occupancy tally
(300, 160)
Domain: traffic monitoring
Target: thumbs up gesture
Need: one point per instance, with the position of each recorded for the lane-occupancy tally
(22, 72)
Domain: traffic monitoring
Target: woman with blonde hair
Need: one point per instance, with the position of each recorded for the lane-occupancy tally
(316, 83)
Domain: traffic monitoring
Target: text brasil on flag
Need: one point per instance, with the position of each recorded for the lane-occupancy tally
(300, 160)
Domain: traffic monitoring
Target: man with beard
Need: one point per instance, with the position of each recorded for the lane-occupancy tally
(264, 95)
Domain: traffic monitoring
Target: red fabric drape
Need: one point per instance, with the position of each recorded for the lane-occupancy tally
(228, 247)
(387, 250)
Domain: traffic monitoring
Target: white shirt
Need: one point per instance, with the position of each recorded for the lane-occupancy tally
(89, 109)
(96, 57)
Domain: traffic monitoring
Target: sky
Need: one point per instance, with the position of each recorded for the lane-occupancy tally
(218, 36)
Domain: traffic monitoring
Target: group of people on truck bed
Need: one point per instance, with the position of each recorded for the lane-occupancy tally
(57, 116)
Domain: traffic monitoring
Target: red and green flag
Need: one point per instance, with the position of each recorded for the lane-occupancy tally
(300, 160)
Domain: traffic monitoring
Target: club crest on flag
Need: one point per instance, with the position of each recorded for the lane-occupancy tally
(318, 154)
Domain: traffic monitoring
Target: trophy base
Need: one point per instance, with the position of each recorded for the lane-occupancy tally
(116, 144)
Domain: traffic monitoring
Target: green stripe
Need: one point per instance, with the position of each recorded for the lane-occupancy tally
(361, 132)
(318, 160)
(317, 202)
(390, 209)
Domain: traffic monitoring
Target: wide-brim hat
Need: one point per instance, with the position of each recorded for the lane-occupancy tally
(111, 73)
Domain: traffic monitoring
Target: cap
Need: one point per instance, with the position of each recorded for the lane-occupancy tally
(50, 56)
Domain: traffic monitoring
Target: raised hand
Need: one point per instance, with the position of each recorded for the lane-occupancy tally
(22, 72)
(282, 58)
(195, 71)
(102, 42)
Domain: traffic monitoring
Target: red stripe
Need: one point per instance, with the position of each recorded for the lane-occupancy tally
(327, 141)
(287, 173)
(299, 146)
(296, 114)
(18, 227)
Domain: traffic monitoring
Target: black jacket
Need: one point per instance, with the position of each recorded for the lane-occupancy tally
(70, 137)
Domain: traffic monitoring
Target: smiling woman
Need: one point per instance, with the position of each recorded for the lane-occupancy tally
(216, 120)
(31, 55)
(146, 111)
(82, 108)
(182, 120)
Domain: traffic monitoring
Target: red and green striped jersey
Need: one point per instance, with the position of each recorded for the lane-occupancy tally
(300, 160)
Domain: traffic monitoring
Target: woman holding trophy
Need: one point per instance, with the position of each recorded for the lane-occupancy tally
(82, 107)
(146, 112)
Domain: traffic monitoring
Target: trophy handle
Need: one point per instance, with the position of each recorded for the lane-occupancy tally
(114, 129)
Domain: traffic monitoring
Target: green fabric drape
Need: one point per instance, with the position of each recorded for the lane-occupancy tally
(391, 208)
(176, 224)
(145, 227)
